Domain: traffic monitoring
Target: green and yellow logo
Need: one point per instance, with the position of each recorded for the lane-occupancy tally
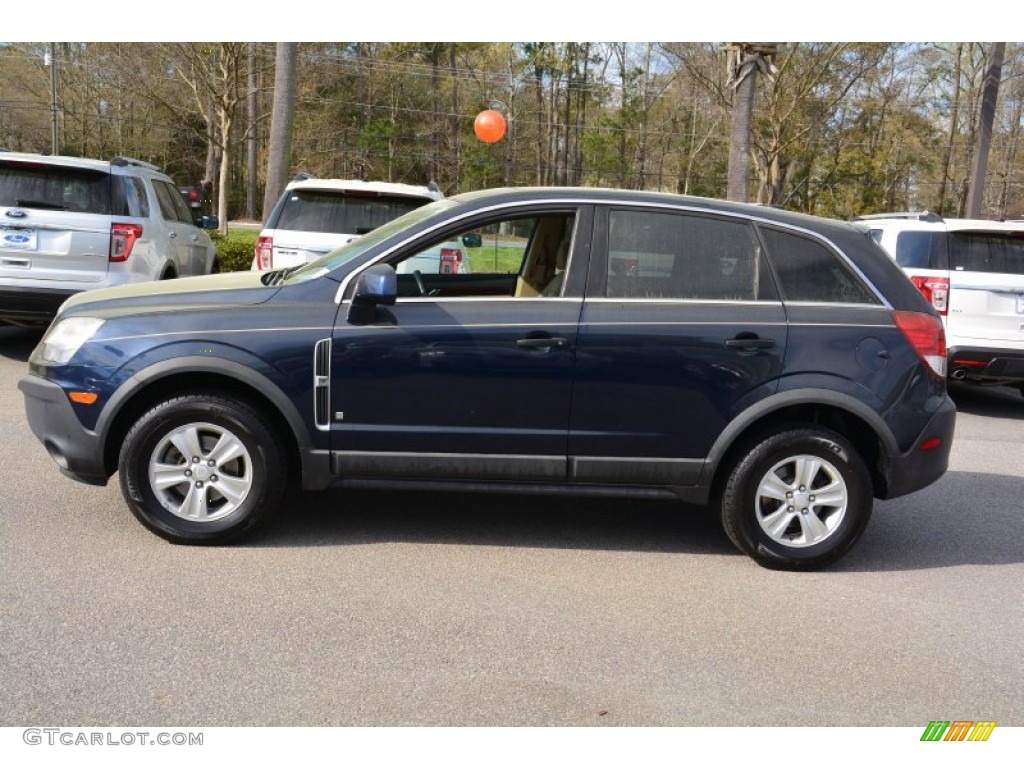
(958, 730)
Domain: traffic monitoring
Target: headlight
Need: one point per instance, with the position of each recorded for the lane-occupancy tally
(64, 339)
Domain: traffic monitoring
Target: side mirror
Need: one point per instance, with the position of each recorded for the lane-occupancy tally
(209, 221)
(377, 285)
(473, 240)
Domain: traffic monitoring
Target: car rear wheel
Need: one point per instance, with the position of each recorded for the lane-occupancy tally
(201, 468)
(797, 499)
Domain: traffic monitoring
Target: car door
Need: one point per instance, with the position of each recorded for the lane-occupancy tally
(179, 233)
(467, 375)
(681, 327)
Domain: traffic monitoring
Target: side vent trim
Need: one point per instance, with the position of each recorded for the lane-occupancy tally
(322, 384)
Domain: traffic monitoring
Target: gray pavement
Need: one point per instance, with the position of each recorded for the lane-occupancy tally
(439, 609)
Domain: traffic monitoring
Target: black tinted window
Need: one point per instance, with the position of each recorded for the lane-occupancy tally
(321, 211)
(165, 195)
(921, 250)
(55, 188)
(987, 252)
(679, 256)
(808, 271)
(135, 196)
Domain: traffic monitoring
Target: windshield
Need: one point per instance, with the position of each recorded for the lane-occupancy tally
(361, 245)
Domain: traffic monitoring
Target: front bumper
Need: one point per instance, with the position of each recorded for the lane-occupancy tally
(918, 468)
(77, 451)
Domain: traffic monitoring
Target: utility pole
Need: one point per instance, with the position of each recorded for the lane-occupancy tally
(51, 60)
(989, 95)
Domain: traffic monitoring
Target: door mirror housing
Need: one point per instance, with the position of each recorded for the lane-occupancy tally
(376, 286)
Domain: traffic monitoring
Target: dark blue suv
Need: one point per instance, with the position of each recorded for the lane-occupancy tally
(778, 366)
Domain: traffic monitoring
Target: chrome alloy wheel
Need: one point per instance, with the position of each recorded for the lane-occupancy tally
(200, 472)
(801, 501)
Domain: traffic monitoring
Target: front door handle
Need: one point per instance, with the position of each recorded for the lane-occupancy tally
(543, 342)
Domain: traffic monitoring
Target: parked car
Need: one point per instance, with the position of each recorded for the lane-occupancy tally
(777, 366)
(315, 216)
(69, 224)
(972, 272)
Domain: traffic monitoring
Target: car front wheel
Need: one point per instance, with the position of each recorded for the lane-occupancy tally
(797, 499)
(201, 468)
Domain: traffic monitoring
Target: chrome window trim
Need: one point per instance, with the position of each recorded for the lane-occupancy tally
(612, 203)
(209, 333)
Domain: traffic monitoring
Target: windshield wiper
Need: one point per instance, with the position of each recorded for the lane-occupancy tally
(277, 276)
(40, 204)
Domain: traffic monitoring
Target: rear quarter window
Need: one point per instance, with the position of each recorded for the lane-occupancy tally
(921, 250)
(809, 271)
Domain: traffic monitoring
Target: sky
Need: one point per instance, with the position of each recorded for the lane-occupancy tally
(513, 20)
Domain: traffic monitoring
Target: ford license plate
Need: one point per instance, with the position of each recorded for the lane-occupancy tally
(22, 239)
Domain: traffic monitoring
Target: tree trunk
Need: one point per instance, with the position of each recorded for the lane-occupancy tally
(742, 118)
(953, 118)
(281, 119)
(251, 138)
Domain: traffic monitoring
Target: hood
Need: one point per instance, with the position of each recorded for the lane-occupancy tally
(228, 289)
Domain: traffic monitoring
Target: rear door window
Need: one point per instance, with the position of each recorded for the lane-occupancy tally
(307, 210)
(56, 188)
(655, 255)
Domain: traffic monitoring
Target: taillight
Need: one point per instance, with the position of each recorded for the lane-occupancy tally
(265, 253)
(122, 240)
(935, 289)
(451, 260)
(926, 336)
(193, 195)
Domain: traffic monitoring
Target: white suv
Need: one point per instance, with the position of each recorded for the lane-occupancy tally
(315, 216)
(972, 271)
(69, 225)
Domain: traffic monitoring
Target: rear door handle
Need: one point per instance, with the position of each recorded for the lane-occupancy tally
(750, 342)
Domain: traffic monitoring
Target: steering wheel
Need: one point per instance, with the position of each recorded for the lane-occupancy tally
(422, 286)
(419, 282)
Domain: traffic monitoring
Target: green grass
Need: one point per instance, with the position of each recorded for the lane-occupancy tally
(501, 259)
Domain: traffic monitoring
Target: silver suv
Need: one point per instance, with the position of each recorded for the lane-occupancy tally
(972, 271)
(69, 225)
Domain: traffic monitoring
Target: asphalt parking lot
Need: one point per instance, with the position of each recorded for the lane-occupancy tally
(416, 609)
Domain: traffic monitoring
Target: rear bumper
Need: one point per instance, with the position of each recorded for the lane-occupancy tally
(31, 306)
(920, 467)
(76, 451)
(986, 365)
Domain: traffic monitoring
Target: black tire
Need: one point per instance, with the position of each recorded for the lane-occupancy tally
(803, 530)
(233, 483)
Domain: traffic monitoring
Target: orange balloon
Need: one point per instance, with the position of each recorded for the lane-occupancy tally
(489, 126)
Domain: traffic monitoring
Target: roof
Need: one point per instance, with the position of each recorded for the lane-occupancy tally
(356, 185)
(78, 162)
